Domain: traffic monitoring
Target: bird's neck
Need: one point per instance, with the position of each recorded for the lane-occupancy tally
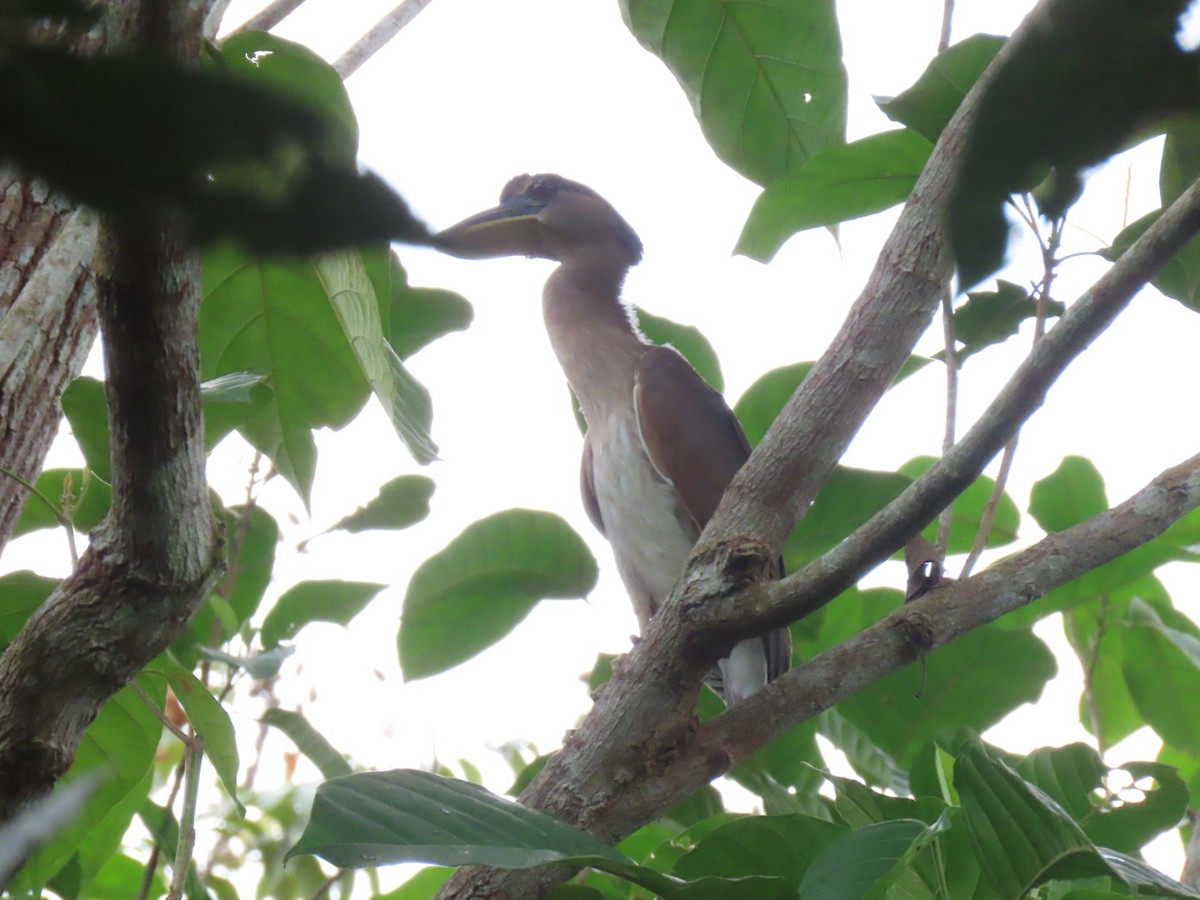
(592, 333)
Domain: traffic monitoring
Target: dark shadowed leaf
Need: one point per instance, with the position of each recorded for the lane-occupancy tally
(989, 317)
(863, 861)
(929, 104)
(308, 741)
(782, 846)
(1069, 495)
(1113, 66)
(316, 601)
(843, 182)
(230, 400)
(469, 595)
(401, 502)
(765, 80)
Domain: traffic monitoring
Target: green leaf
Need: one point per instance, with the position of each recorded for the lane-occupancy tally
(401, 502)
(843, 182)
(931, 102)
(762, 402)
(378, 818)
(77, 491)
(1128, 824)
(1179, 278)
(1162, 671)
(20, 594)
(404, 399)
(308, 741)
(779, 846)
(276, 319)
(990, 317)
(84, 405)
(121, 742)
(786, 773)
(968, 511)
(861, 862)
(298, 75)
(412, 317)
(1069, 495)
(210, 720)
(766, 81)
(229, 401)
(472, 593)
(316, 601)
(688, 340)
(870, 761)
(1106, 708)
(971, 683)
(121, 877)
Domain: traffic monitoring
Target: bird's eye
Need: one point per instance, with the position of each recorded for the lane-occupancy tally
(541, 190)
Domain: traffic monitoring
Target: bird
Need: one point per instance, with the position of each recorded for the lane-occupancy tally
(661, 445)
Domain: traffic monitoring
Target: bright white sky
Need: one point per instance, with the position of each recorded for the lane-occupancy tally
(475, 91)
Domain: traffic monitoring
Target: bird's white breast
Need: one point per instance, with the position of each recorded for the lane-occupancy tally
(650, 531)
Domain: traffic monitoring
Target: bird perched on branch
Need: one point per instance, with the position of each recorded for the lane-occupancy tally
(661, 445)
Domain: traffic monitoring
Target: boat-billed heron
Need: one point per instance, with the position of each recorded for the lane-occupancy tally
(661, 445)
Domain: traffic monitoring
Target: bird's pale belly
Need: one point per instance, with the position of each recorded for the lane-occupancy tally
(651, 533)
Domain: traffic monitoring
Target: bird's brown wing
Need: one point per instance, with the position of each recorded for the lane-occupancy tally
(695, 441)
(587, 487)
(692, 437)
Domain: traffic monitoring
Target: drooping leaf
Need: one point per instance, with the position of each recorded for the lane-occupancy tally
(863, 861)
(931, 102)
(1162, 671)
(782, 846)
(766, 81)
(1114, 66)
(412, 317)
(1070, 494)
(308, 741)
(210, 720)
(476, 590)
(404, 399)
(316, 601)
(842, 182)
(401, 502)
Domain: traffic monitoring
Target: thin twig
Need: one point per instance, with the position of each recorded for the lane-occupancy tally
(947, 21)
(156, 852)
(63, 519)
(268, 17)
(1089, 674)
(374, 40)
(193, 756)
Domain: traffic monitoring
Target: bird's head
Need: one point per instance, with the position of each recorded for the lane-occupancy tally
(546, 216)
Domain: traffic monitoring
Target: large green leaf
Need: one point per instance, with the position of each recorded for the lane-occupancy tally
(476, 590)
(1022, 837)
(968, 511)
(119, 745)
(863, 862)
(377, 818)
(971, 683)
(765, 80)
(786, 772)
(350, 291)
(316, 601)
(842, 182)
(308, 741)
(1162, 671)
(412, 317)
(929, 104)
(1070, 494)
(1106, 708)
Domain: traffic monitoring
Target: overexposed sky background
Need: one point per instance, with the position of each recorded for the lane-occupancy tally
(475, 91)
